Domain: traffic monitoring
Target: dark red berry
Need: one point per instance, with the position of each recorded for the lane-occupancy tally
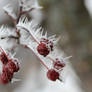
(43, 49)
(52, 75)
(3, 58)
(13, 66)
(6, 76)
(48, 43)
(58, 64)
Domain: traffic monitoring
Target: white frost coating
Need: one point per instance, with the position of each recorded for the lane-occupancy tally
(34, 30)
(8, 8)
(6, 32)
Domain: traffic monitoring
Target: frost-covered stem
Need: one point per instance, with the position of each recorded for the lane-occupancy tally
(42, 62)
(51, 59)
(30, 34)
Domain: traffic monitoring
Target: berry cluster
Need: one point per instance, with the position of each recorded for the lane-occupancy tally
(41, 45)
(44, 48)
(10, 66)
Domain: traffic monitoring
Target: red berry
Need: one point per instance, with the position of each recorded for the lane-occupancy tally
(58, 64)
(13, 66)
(45, 47)
(6, 76)
(3, 58)
(52, 75)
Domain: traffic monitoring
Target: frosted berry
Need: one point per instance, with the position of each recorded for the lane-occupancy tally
(48, 43)
(13, 66)
(52, 75)
(45, 47)
(58, 64)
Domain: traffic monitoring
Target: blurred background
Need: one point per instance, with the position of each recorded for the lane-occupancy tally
(72, 20)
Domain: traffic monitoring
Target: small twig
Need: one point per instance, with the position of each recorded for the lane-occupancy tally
(10, 37)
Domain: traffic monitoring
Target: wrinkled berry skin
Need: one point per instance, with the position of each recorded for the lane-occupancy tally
(52, 75)
(58, 64)
(45, 47)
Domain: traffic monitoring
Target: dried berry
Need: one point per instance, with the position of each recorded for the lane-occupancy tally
(58, 64)
(52, 75)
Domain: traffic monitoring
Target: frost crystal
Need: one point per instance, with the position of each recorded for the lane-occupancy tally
(9, 10)
(28, 5)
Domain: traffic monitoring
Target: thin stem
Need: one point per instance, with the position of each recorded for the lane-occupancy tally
(51, 59)
(30, 34)
(21, 12)
(60, 80)
(42, 62)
